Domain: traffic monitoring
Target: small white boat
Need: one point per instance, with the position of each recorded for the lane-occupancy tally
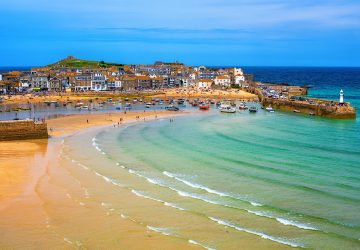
(270, 109)
(227, 108)
(79, 104)
(243, 106)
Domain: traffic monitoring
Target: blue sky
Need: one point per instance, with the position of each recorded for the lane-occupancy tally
(209, 32)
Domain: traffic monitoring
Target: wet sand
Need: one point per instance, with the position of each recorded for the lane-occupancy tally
(69, 124)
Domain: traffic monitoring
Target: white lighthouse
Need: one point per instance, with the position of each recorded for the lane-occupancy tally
(341, 97)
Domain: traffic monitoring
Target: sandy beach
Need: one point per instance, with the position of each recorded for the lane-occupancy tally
(33, 183)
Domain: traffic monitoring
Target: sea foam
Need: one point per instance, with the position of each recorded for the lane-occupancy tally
(209, 190)
(161, 230)
(199, 244)
(168, 204)
(260, 234)
(295, 224)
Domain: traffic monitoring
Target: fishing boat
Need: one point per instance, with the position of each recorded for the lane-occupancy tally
(226, 108)
(270, 109)
(253, 109)
(204, 106)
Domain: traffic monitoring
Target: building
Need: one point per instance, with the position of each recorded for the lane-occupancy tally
(82, 82)
(55, 84)
(98, 82)
(39, 82)
(223, 81)
(204, 84)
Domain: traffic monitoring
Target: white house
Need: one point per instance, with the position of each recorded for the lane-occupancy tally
(238, 71)
(24, 83)
(239, 80)
(224, 81)
(118, 83)
(98, 82)
(204, 84)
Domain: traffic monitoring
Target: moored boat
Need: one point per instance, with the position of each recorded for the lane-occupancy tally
(79, 104)
(253, 109)
(243, 106)
(172, 108)
(270, 109)
(204, 106)
(225, 108)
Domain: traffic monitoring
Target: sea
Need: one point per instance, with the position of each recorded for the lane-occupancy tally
(234, 181)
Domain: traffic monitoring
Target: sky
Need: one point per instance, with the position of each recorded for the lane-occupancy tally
(195, 32)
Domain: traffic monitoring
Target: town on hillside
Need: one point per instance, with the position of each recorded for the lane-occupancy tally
(74, 75)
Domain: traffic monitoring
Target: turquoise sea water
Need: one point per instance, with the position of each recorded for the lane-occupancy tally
(285, 178)
(290, 178)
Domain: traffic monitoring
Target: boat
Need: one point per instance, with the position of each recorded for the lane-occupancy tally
(253, 109)
(172, 108)
(117, 107)
(79, 104)
(296, 111)
(243, 106)
(85, 107)
(147, 106)
(226, 108)
(57, 105)
(128, 105)
(270, 109)
(180, 101)
(204, 106)
(311, 113)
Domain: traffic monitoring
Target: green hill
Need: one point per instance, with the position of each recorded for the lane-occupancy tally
(78, 63)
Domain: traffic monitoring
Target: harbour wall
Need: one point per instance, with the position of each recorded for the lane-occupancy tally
(22, 130)
(319, 109)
